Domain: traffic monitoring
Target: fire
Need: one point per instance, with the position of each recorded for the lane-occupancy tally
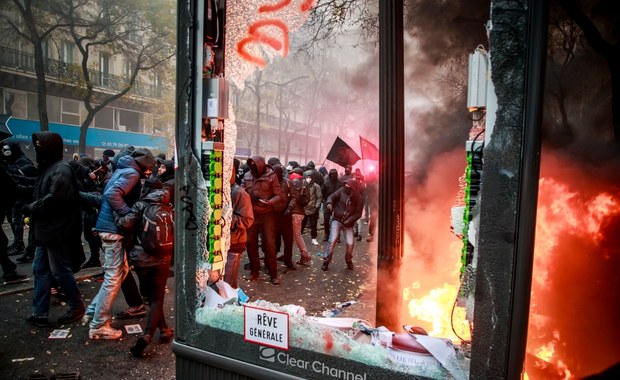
(570, 222)
(436, 309)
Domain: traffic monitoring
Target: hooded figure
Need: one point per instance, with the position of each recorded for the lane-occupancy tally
(57, 224)
(165, 172)
(262, 184)
(119, 195)
(24, 173)
(347, 205)
(330, 186)
(317, 177)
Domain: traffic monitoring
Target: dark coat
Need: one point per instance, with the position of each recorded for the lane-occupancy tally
(131, 223)
(347, 207)
(264, 190)
(55, 213)
(331, 185)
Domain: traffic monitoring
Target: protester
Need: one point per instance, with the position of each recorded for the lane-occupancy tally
(296, 209)
(9, 194)
(330, 186)
(151, 264)
(311, 210)
(263, 187)
(372, 196)
(56, 222)
(242, 219)
(23, 171)
(346, 206)
(107, 156)
(284, 223)
(165, 172)
(122, 190)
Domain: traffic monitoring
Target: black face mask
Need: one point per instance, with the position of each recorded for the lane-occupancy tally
(254, 170)
(348, 190)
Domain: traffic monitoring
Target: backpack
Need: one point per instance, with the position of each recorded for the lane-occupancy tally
(304, 193)
(157, 228)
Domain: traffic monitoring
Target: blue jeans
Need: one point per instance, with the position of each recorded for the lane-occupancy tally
(52, 261)
(115, 269)
(335, 228)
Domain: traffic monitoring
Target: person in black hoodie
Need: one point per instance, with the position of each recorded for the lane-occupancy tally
(57, 228)
(9, 193)
(165, 172)
(330, 186)
(263, 187)
(346, 206)
(22, 169)
(151, 267)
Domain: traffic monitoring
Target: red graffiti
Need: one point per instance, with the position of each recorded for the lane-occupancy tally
(257, 36)
(329, 341)
(305, 6)
(274, 7)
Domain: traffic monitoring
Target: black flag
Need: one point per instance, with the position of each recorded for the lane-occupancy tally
(342, 154)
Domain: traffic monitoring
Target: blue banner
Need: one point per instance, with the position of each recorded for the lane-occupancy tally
(95, 137)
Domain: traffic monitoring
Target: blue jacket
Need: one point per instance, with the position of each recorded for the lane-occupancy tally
(120, 193)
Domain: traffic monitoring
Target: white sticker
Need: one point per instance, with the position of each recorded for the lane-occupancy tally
(266, 327)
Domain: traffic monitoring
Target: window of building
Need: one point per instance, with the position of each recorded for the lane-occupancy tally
(104, 118)
(104, 69)
(128, 69)
(66, 51)
(15, 104)
(129, 121)
(33, 106)
(53, 109)
(70, 112)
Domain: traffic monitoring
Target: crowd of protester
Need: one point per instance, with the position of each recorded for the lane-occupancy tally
(107, 202)
(284, 200)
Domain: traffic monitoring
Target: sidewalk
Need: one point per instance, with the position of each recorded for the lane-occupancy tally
(26, 269)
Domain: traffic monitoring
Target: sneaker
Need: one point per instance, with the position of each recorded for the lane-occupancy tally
(14, 278)
(91, 264)
(71, 316)
(290, 265)
(314, 242)
(370, 239)
(137, 350)
(275, 280)
(325, 266)
(37, 321)
(166, 335)
(105, 331)
(132, 312)
(350, 265)
(17, 248)
(25, 258)
(304, 260)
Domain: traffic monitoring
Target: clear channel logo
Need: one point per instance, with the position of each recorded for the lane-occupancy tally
(267, 354)
(271, 355)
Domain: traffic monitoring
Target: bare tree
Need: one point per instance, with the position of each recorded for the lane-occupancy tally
(596, 36)
(142, 32)
(34, 24)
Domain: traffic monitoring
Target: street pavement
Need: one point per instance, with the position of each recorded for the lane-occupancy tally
(28, 352)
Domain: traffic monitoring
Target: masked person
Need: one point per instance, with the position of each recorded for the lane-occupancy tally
(263, 187)
(346, 206)
(57, 228)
